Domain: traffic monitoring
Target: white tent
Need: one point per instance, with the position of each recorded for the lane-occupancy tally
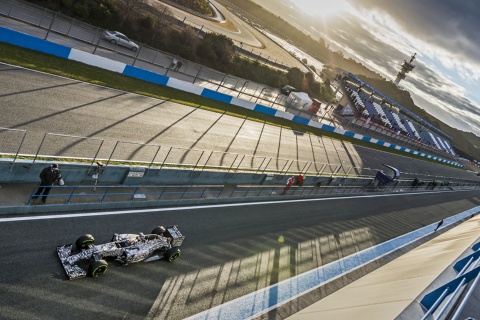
(299, 100)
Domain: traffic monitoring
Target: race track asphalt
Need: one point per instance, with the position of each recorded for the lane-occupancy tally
(228, 252)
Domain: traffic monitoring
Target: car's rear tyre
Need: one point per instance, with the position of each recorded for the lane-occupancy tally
(84, 242)
(160, 230)
(113, 41)
(97, 268)
(172, 254)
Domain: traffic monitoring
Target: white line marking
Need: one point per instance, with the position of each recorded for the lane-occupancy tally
(108, 213)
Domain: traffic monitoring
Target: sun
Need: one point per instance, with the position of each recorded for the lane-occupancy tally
(323, 8)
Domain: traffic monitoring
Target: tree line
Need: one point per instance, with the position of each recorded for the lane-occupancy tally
(156, 27)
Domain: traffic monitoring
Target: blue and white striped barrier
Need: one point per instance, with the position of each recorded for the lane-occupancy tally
(33, 43)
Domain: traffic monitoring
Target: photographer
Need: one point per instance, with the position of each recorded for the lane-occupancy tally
(48, 176)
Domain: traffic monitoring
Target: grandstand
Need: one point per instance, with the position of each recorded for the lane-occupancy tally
(372, 106)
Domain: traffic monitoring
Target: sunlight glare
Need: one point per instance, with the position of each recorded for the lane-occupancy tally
(323, 8)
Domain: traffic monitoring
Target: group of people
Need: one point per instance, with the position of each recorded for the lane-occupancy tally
(175, 64)
(298, 180)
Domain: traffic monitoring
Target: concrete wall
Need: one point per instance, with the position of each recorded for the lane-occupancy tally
(76, 174)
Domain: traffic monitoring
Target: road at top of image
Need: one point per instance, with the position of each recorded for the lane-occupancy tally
(229, 251)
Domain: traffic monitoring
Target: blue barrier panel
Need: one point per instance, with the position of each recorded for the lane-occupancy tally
(368, 139)
(462, 262)
(328, 128)
(380, 143)
(476, 246)
(265, 110)
(300, 120)
(218, 96)
(349, 134)
(393, 146)
(33, 43)
(403, 149)
(146, 75)
(429, 300)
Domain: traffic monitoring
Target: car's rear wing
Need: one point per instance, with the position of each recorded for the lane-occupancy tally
(176, 235)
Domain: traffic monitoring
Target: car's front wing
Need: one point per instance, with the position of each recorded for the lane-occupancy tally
(72, 271)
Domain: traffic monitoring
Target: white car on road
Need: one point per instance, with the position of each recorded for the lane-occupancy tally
(116, 37)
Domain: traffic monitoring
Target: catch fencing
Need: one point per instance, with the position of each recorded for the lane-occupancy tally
(21, 147)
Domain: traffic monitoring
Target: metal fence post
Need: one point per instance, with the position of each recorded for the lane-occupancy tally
(233, 162)
(133, 194)
(105, 194)
(70, 27)
(153, 159)
(165, 159)
(98, 42)
(50, 27)
(221, 81)
(71, 195)
(136, 55)
(18, 150)
(38, 151)
(266, 166)
(30, 199)
(260, 165)
(199, 158)
(198, 73)
(113, 151)
(239, 163)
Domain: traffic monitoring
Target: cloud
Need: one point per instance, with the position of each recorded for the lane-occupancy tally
(450, 26)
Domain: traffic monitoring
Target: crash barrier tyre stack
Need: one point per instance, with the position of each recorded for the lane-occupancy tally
(448, 298)
(37, 44)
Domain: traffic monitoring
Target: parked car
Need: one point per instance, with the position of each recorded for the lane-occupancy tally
(288, 89)
(116, 37)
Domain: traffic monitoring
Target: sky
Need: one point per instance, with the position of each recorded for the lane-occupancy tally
(380, 34)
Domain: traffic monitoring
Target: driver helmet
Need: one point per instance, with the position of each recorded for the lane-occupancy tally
(163, 230)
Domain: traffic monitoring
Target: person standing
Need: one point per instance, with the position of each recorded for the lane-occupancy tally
(289, 183)
(173, 63)
(179, 65)
(48, 176)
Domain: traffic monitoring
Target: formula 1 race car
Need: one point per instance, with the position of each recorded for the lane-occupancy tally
(162, 243)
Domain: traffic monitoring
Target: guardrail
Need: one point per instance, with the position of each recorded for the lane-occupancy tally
(101, 194)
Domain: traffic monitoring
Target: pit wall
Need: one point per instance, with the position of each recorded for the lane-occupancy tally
(81, 174)
(30, 42)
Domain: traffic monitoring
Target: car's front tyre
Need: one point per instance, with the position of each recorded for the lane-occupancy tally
(85, 242)
(98, 268)
(172, 254)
